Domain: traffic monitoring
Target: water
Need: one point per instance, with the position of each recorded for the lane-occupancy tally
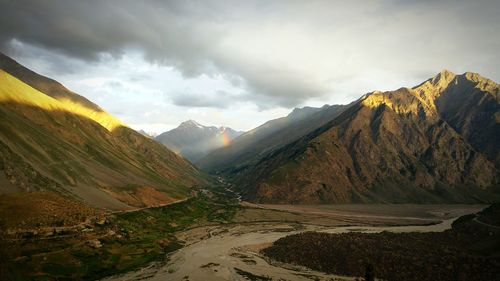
(217, 253)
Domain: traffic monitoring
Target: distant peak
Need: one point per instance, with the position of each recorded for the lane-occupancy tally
(301, 112)
(307, 108)
(446, 72)
(475, 77)
(443, 78)
(190, 124)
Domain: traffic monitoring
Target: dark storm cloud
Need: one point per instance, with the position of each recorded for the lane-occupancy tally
(257, 45)
(87, 28)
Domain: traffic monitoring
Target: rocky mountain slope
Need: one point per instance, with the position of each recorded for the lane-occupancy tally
(193, 140)
(249, 148)
(436, 142)
(52, 139)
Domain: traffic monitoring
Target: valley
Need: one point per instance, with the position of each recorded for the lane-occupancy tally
(284, 141)
(232, 251)
(211, 236)
(84, 197)
(67, 243)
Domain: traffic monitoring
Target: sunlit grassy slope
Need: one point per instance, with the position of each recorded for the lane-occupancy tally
(14, 90)
(64, 143)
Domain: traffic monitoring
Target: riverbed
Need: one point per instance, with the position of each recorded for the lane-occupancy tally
(231, 252)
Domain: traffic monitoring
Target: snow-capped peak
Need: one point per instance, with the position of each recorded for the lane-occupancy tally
(191, 123)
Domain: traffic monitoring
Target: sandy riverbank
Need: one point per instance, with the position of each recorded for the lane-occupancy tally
(231, 252)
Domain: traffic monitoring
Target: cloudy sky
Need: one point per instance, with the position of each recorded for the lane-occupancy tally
(155, 64)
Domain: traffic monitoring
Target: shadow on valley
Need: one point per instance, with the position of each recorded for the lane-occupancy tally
(469, 251)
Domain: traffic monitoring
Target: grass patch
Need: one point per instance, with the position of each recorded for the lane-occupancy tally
(129, 241)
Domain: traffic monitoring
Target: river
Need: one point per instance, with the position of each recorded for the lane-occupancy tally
(232, 251)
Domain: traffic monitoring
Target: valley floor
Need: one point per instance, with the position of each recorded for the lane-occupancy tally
(210, 236)
(232, 251)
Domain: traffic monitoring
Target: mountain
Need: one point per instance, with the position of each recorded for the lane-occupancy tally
(193, 140)
(249, 148)
(146, 134)
(436, 142)
(54, 140)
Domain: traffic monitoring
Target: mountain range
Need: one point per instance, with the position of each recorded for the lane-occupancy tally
(52, 139)
(247, 149)
(193, 140)
(435, 142)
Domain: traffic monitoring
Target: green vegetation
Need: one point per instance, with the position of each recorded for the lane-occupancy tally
(123, 242)
(470, 251)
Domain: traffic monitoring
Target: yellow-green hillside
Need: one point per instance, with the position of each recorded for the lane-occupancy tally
(66, 144)
(14, 90)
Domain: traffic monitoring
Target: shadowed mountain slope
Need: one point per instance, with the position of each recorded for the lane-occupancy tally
(60, 143)
(249, 148)
(436, 142)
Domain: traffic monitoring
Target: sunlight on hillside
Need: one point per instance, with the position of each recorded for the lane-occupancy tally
(14, 90)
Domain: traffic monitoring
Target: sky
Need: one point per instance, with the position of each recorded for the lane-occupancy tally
(154, 64)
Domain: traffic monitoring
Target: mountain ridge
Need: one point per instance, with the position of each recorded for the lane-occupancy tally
(382, 142)
(41, 83)
(14, 90)
(59, 144)
(247, 149)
